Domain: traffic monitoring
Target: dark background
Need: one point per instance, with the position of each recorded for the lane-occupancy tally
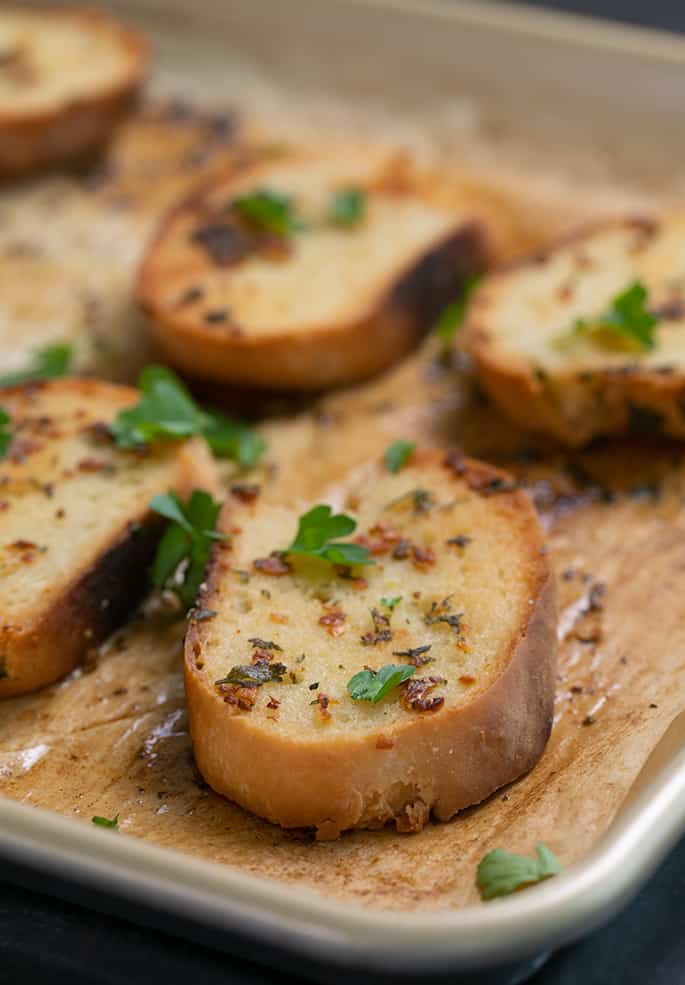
(649, 13)
(52, 942)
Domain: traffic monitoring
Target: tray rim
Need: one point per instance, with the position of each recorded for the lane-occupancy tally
(301, 920)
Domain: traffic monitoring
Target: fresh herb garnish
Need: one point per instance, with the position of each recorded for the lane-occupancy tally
(452, 317)
(398, 454)
(167, 411)
(628, 318)
(186, 541)
(347, 207)
(390, 603)
(501, 873)
(47, 364)
(230, 438)
(105, 822)
(315, 538)
(5, 432)
(254, 675)
(372, 685)
(269, 210)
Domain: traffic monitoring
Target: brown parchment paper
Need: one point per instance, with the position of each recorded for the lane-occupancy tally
(112, 738)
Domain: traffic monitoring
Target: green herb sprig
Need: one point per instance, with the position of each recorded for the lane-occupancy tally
(106, 822)
(316, 537)
(398, 454)
(627, 319)
(372, 685)
(501, 873)
(47, 364)
(167, 411)
(347, 207)
(187, 540)
(390, 603)
(5, 432)
(269, 210)
(452, 317)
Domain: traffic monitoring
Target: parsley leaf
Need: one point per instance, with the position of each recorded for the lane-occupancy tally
(254, 675)
(5, 432)
(347, 207)
(167, 411)
(501, 873)
(372, 685)
(48, 363)
(391, 603)
(105, 822)
(628, 317)
(398, 454)
(230, 438)
(315, 534)
(269, 210)
(186, 541)
(452, 317)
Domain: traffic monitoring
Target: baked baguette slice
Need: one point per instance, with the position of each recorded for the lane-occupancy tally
(76, 535)
(327, 304)
(535, 332)
(66, 78)
(475, 621)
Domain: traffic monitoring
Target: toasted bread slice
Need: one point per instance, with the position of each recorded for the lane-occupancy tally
(326, 305)
(551, 377)
(66, 77)
(476, 619)
(76, 534)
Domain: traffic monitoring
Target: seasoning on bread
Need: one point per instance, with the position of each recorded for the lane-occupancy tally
(66, 78)
(587, 338)
(305, 272)
(358, 668)
(76, 532)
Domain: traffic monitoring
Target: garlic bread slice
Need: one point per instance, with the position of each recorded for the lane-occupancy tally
(332, 693)
(76, 533)
(588, 338)
(66, 78)
(305, 272)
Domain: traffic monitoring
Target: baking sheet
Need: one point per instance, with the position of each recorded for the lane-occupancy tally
(113, 739)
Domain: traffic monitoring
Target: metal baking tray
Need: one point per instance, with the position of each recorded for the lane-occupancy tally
(524, 64)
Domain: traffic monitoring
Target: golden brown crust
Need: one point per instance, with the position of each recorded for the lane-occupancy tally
(431, 763)
(34, 140)
(571, 405)
(313, 357)
(93, 601)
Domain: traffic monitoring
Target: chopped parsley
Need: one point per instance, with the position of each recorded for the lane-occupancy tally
(390, 603)
(254, 675)
(167, 411)
(372, 685)
(501, 873)
(347, 207)
(47, 364)
(269, 210)
(451, 318)
(627, 319)
(183, 551)
(230, 438)
(398, 454)
(5, 432)
(316, 535)
(105, 822)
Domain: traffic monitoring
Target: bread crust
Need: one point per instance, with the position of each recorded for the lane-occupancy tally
(430, 764)
(97, 598)
(324, 355)
(31, 141)
(574, 407)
